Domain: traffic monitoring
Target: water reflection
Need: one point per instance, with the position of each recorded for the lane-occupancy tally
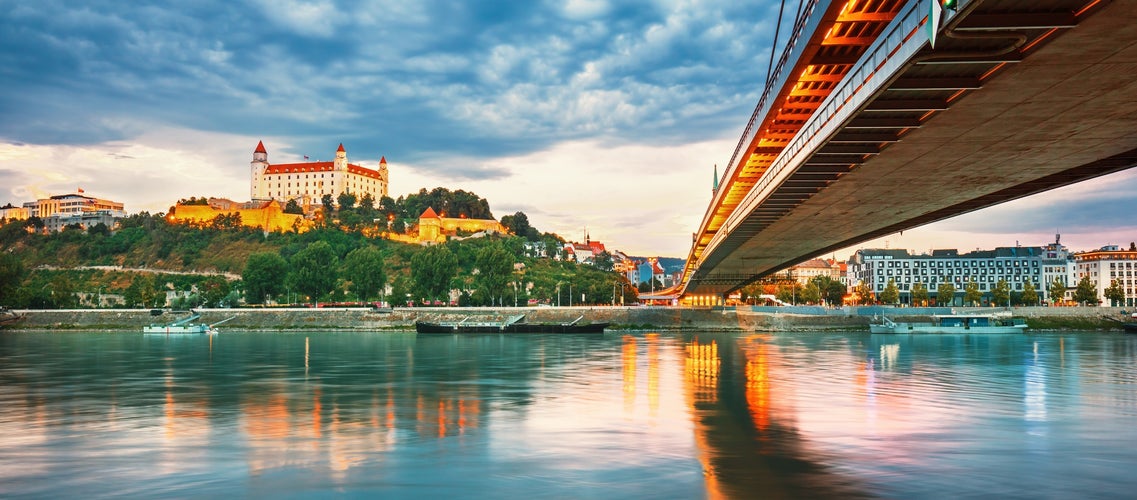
(696, 415)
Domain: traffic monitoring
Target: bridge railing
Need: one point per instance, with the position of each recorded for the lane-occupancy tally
(900, 41)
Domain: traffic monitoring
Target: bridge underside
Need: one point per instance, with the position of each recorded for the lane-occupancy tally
(951, 136)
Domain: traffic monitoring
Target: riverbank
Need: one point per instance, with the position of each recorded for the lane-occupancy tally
(732, 319)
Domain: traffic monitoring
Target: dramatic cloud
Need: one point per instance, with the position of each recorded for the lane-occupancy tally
(582, 113)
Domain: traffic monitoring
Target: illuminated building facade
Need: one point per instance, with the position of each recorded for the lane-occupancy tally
(1016, 265)
(1106, 265)
(311, 180)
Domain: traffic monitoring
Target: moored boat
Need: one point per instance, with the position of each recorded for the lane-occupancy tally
(8, 316)
(514, 324)
(184, 326)
(954, 323)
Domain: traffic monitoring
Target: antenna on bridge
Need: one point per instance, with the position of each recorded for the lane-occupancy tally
(715, 185)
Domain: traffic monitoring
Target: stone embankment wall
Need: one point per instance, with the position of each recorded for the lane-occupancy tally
(742, 319)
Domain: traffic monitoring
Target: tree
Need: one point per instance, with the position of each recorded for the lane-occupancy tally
(603, 261)
(810, 293)
(971, 293)
(11, 275)
(1115, 293)
(346, 201)
(786, 293)
(831, 290)
(313, 270)
(945, 294)
(1086, 293)
(213, 290)
(1001, 294)
(1029, 295)
(919, 294)
(495, 267)
(890, 294)
(432, 270)
(264, 276)
(1057, 291)
(293, 208)
(864, 293)
(364, 267)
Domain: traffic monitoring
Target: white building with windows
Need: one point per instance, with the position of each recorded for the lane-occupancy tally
(1016, 265)
(1104, 266)
(310, 181)
(60, 211)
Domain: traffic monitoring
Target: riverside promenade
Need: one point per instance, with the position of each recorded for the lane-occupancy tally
(740, 319)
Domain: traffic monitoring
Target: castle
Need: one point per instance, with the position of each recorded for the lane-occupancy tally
(308, 182)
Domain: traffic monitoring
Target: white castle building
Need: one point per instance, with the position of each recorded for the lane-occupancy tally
(308, 182)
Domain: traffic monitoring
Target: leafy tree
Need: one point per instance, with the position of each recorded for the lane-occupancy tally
(1001, 294)
(1086, 293)
(364, 267)
(919, 294)
(346, 201)
(810, 294)
(11, 275)
(1030, 295)
(432, 270)
(293, 208)
(945, 294)
(603, 261)
(142, 292)
(313, 270)
(264, 276)
(831, 290)
(327, 202)
(213, 290)
(99, 229)
(864, 293)
(890, 294)
(518, 224)
(1115, 293)
(971, 293)
(495, 268)
(400, 289)
(1057, 291)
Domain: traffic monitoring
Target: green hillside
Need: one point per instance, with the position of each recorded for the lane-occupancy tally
(148, 257)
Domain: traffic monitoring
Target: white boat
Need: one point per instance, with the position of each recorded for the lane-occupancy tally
(953, 323)
(184, 326)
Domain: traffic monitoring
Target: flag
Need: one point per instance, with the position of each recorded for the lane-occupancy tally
(305, 157)
(80, 190)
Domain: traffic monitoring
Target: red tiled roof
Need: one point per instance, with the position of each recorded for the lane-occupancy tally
(340, 148)
(429, 214)
(260, 147)
(318, 166)
(382, 160)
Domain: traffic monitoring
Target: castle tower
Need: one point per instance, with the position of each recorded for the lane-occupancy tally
(383, 179)
(341, 159)
(258, 189)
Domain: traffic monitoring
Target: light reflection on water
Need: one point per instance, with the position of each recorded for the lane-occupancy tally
(623, 415)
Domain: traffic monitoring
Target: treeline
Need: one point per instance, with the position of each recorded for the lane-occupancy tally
(333, 262)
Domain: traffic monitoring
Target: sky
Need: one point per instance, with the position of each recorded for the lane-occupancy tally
(587, 115)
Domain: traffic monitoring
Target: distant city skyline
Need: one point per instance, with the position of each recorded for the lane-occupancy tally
(585, 115)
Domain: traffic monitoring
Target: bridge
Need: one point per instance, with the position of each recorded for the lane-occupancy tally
(884, 115)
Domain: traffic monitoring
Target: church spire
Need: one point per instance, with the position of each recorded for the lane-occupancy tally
(715, 185)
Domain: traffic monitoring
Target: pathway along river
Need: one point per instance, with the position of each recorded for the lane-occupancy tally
(617, 416)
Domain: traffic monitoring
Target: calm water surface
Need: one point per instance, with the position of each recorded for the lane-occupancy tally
(618, 416)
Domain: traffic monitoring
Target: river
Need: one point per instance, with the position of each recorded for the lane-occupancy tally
(682, 415)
